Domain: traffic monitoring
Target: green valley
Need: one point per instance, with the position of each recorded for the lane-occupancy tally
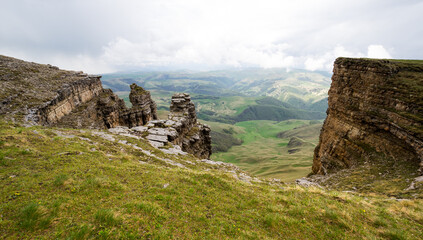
(264, 154)
(246, 109)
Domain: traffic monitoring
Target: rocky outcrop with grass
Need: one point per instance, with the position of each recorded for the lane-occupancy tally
(107, 110)
(42, 94)
(181, 129)
(46, 95)
(194, 137)
(39, 94)
(375, 111)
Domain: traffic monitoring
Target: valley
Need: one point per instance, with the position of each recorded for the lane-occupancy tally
(247, 110)
(204, 120)
(79, 164)
(264, 154)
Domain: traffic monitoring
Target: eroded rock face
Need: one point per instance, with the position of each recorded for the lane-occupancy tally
(107, 110)
(44, 94)
(375, 107)
(68, 98)
(143, 107)
(182, 128)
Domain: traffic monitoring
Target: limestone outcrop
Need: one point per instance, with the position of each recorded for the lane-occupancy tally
(43, 94)
(107, 110)
(46, 95)
(375, 107)
(182, 128)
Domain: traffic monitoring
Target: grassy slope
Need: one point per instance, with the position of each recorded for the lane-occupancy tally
(72, 188)
(263, 154)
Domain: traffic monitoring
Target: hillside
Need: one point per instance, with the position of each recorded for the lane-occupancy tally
(77, 184)
(264, 153)
(231, 96)
(278, 83)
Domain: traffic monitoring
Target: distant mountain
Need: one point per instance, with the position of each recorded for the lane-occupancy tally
(274, 113)
(236, 95)
(278, 83)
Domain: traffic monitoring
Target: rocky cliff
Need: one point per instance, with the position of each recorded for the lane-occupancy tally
(46, 95)
(107, 110)
(375, 107)
(194, 136)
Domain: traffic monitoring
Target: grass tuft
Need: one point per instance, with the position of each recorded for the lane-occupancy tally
(105, 217)
(60, 180)
(29, 216)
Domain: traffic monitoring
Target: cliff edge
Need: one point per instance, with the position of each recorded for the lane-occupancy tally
(375, 108)
(38, 94)
(46, 95)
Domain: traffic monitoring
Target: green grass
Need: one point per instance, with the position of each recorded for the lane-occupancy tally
(69, 188)
(263, 154)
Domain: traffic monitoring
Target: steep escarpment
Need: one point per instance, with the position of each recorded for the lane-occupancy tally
(46, 95)
(39, 94)
(375, 109)
(42, 93)
(107, 110)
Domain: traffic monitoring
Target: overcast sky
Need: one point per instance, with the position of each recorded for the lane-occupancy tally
(99, 36)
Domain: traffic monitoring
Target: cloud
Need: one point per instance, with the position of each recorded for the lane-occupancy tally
(107, 35)
(325, 61)
(377, 51)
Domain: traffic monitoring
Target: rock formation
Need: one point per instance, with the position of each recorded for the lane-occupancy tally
(182, 128)
(375, 107)
(44, 94)
(143, 107)
(40, 93)
(107, 110)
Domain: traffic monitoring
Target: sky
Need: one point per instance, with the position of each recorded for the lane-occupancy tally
(103, 36)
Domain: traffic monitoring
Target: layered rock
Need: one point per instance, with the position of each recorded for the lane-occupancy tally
(68, 98)
(375, 107)
(46, 95)
(143, 107)
(107, 110)
(42, 94)
(182, 128)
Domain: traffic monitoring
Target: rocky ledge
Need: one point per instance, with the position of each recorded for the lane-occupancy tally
(46, 95)
(179, 133)
(43, 94)
(107, 110)
(375, 109)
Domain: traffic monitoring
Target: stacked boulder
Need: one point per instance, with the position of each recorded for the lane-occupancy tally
(181, 129)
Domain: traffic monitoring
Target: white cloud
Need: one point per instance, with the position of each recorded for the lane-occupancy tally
(105, 35)
(325, 61)
(377, 51)
(161, 53)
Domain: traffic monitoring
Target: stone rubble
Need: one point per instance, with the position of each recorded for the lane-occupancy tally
(305, 182)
